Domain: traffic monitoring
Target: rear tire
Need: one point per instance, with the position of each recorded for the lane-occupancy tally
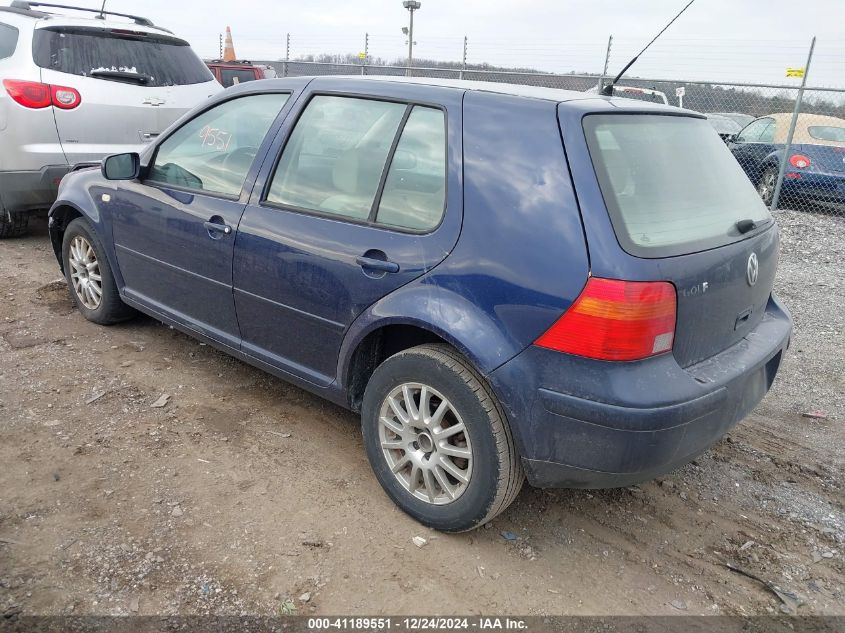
(14, 227)
(89, 277)
(448, 458)
(766, 185)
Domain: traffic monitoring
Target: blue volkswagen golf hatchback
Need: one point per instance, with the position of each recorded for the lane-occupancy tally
(506, 282)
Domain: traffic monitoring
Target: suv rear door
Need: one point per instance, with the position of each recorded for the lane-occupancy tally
(667, 191)
(133, 83)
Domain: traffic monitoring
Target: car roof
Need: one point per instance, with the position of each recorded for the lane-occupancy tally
(46, 17)
(555, 95)
(802, 125)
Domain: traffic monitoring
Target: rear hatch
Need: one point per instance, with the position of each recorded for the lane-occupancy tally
(133, 84)
(680, 203)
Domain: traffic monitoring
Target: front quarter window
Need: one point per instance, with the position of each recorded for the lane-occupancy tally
(214, 151)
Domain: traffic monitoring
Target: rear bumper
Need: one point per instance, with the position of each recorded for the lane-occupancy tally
(30, 190)
(817, 187)
(592, 424)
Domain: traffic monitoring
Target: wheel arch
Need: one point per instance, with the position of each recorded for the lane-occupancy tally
(62, 213)
(411, 317)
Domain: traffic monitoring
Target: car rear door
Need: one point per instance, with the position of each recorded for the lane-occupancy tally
(662, 200)
(351, 210)
(174, 232)
(133, 84)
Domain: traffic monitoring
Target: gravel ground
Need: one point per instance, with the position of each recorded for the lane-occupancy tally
(246, 495)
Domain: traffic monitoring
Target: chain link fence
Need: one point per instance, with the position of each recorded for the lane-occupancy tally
(789, 138)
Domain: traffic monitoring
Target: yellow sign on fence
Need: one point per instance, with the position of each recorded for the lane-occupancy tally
(794, 72)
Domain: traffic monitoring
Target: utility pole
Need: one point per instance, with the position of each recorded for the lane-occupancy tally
(791, 133)
(464, 60)
(220, 55)
(411, 5)
(606, 62)
(366, 54)
(287, 56)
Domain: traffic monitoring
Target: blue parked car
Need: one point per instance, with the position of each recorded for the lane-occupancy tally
(505, 281)
(815, 171)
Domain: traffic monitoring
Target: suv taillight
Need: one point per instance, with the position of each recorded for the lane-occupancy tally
(32, 94)
(616, 320)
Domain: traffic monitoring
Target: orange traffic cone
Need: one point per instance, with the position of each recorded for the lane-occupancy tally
(229, 51)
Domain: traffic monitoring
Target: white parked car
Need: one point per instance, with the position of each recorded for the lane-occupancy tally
(75, 89)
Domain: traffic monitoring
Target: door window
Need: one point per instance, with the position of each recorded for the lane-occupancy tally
(335, 156)
(414, 193)
(754, 132)
(8, 40)
(214, 151)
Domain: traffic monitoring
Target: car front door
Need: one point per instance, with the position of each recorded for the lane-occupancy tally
(355, 206)
(174, 231)
(752, 145)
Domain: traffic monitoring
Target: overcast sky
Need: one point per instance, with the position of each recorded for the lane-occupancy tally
(750, 40)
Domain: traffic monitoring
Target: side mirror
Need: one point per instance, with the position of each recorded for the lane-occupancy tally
(122, 166)
(730, 138)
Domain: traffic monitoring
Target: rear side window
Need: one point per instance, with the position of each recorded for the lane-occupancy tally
(671, 185)
(134, 57)
(818, 132)
(8, 40)
(235, 76)
(214, 151)
(335, 156)
(414, 193)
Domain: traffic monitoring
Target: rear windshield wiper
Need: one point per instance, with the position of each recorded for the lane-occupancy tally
(743, 226)
(121, 75)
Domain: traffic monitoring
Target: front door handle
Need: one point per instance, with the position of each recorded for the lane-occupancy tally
(370, 263)
(217, 227)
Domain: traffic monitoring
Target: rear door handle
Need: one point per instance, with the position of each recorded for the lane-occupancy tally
(217, 227)
(380, 265)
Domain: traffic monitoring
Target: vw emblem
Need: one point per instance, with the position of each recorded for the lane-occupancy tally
(752, 269)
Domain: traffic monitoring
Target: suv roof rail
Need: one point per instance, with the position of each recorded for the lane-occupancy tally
(26, 5)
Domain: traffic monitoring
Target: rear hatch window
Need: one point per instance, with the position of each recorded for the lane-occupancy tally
(234, 76)
(671, 186)
(147, 59)
(8, 40)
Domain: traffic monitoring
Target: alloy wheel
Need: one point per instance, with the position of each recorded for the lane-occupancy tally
(425, 443)
(85, 276)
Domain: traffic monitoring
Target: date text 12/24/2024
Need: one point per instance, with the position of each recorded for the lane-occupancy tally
(417, 623)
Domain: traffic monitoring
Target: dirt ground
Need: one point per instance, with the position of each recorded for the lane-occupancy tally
(246, 495)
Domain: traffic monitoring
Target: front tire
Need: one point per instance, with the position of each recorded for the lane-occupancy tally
(437, 440)
(89, 277)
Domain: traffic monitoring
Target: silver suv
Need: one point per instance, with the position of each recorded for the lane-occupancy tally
(75, 89)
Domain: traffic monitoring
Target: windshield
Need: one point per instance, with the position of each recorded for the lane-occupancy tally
(670, 184)
(131, 57)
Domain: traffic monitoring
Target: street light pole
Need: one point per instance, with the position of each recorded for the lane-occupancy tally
(411, 5)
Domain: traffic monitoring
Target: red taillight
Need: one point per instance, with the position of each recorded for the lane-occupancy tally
(65, 98)
(799, 160)
(616, 320)
(32, 94)
(29, 94)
